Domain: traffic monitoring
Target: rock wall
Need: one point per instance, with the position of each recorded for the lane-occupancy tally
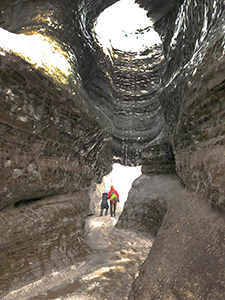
(124, 87)
(59, 134)
(192, 92)
(197, 93)
(42, 130)
(52, 144)
(147, 202)
(39, 237)
(186, 259)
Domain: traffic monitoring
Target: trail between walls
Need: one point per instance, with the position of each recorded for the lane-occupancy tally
(106, 273)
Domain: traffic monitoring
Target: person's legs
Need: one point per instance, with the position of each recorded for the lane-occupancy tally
(114, 209)
(106, 211)
(101, 212)
(111, 208)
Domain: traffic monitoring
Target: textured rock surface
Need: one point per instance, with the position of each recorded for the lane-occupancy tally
(124, 87)
(42, 131)
(147, 204)
(193, 97)
(187, 257)
(40, 237)
(58, 138)
(158, 157)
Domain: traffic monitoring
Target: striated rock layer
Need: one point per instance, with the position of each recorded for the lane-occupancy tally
(186, 260)
(41, 237)
(187, 256)
(61, 130)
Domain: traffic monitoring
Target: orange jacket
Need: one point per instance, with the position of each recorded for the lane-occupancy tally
(111, 191)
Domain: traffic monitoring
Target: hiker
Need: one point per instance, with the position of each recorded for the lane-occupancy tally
(104, 203)
(114, 198)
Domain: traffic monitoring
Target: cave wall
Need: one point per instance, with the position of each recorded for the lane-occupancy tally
(186, 259)
(49, 125)
(52, 145)
(39, 237)
(56, 139)
(192, 92)
(46, 143)
(42, 129)
(124, 87)
(194, 81)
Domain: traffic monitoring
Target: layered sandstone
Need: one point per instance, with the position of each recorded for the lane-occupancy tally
(163, 108)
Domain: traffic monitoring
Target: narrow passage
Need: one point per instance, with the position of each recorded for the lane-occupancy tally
(106, 273)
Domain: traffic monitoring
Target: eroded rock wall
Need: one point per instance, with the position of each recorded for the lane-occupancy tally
(59, 138)
(193, 97)
(42, 130)
(52, 144)
(147, 202)
(186, 258)
(40, 237)
(124, 88)
(53, 141)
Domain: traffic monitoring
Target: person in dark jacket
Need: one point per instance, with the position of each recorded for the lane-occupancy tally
(114, 198)
(104, 204)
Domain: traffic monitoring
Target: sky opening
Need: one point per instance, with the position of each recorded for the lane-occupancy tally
(125, 26)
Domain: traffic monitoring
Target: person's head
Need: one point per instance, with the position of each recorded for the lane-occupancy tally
(112, 187)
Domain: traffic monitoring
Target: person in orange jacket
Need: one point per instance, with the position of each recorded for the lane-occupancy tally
(114, 198)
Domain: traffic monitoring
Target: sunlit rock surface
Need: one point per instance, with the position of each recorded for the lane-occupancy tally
(59, 133)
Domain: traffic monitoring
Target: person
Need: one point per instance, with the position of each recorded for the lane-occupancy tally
(114, 198)
(104, 203)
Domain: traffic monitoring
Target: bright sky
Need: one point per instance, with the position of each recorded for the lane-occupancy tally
(118, 24)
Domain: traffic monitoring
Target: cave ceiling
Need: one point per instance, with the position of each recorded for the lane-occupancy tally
(119, 88)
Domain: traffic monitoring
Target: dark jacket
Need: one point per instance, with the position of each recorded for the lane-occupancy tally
(104, 203)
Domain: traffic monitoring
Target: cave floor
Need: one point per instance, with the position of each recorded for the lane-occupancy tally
(106, 273)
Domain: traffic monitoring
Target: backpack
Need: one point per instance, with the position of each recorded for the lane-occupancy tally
(113, 197)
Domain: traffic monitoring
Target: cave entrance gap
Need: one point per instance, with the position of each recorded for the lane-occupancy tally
(125, 26)
(121, 178)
